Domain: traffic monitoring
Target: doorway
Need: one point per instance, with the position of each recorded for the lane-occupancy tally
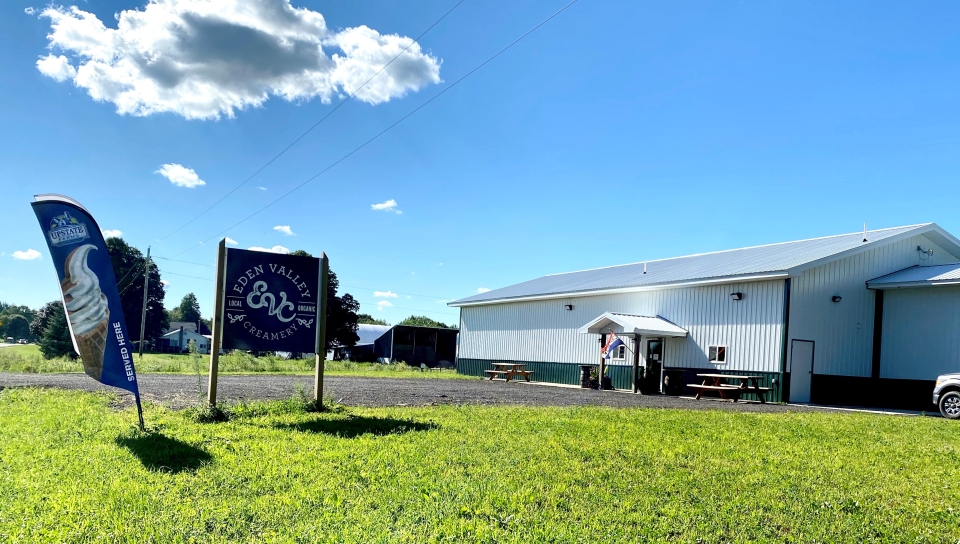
(801, 370)
(652, 376)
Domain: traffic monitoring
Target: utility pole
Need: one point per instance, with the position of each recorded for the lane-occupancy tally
(143, 314)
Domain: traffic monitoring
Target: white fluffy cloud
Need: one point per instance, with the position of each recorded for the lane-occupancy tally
(274, 249)
(482, 290)
(384, 294)
(231, 241)
(386, 206)
(205, 58)
(56, 66)
(29, 10)
(114, 233)
(164, 283)
(285, 229)
(384, 304)
(181, 176)
(28, 255)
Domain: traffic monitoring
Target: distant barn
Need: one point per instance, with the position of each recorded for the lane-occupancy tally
(434, 347)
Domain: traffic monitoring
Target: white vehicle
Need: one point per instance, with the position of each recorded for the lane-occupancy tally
(946, 395)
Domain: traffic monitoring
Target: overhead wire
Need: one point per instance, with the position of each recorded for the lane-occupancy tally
(186, 276)
(435, 297)
(384, 131)
(315, 125)
(185, 262)
(133, 280)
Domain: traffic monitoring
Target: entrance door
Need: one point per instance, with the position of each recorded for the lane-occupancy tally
(801, 370)
(652, 377)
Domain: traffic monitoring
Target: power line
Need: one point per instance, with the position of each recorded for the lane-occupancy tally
(347, 286)
(422, 310)
(434, 297)
(315, 125)
(384, 131)
(133, 281)
(185, 262)
(396, 292)
(186, 276)
(125, 276)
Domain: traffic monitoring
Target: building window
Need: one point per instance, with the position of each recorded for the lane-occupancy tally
(717, 354)
(620, 352)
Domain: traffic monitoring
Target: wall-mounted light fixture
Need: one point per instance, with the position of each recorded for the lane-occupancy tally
(836, 298)
(736, 296)
(568, 307)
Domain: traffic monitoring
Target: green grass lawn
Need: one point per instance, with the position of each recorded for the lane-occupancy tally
(28, 359)
(73, 469)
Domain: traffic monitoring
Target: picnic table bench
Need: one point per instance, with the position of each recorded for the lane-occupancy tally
(508, 371)
(718, 383)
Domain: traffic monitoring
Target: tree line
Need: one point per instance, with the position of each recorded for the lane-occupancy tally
(48, 325)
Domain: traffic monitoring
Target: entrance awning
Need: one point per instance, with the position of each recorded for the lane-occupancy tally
(632, 324)
(918, 276)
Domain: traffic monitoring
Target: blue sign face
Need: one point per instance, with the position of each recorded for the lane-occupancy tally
(271, 302)
(89, 291)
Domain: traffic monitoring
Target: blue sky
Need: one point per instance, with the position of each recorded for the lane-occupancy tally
(618, 132)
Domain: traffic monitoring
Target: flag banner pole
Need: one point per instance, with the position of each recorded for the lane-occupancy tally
(140, 413)
(625, 345)
(88, 288)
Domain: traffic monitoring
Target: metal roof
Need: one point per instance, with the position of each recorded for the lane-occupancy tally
(919, 276)
(633, 324)
(746, 264)
(369, 333)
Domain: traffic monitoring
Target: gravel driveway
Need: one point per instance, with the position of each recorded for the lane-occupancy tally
(178, 391)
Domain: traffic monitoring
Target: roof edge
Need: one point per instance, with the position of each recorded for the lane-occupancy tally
(741, 249)
(920, 229)
(720, 280)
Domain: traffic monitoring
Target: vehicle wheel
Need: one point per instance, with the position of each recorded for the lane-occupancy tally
(950, 405)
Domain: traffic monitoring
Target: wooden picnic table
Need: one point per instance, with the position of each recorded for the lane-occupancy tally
(509, 370)
(718, 383)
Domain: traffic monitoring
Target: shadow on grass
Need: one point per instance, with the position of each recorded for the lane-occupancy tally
(354, 426)
(164, 454)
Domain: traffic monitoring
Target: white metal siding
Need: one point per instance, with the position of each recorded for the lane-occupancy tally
(843, 331)
(542, 331)
(921, 333)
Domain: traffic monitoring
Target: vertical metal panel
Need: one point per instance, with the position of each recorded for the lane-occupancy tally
(843, 330)
(544, 331)
(921, 333)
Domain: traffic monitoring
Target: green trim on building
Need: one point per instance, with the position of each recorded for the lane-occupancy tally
(622, 375)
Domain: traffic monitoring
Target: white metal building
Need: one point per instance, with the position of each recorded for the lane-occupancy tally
(178, 340)
(866, 318)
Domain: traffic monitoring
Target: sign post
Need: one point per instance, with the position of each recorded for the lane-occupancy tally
(321, 349)
(217, 332)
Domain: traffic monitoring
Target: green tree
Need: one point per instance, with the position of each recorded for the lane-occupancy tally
(341, 312)
(12, 321)
(424, 321)
(367, 319)
(189, 309)
(128, 266)
(55, 341)
(16, 326)
(42, 318)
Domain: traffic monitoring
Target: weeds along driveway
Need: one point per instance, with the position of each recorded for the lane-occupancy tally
(178, 391)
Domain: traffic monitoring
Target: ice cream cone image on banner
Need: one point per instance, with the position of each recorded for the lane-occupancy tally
(87, 310)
